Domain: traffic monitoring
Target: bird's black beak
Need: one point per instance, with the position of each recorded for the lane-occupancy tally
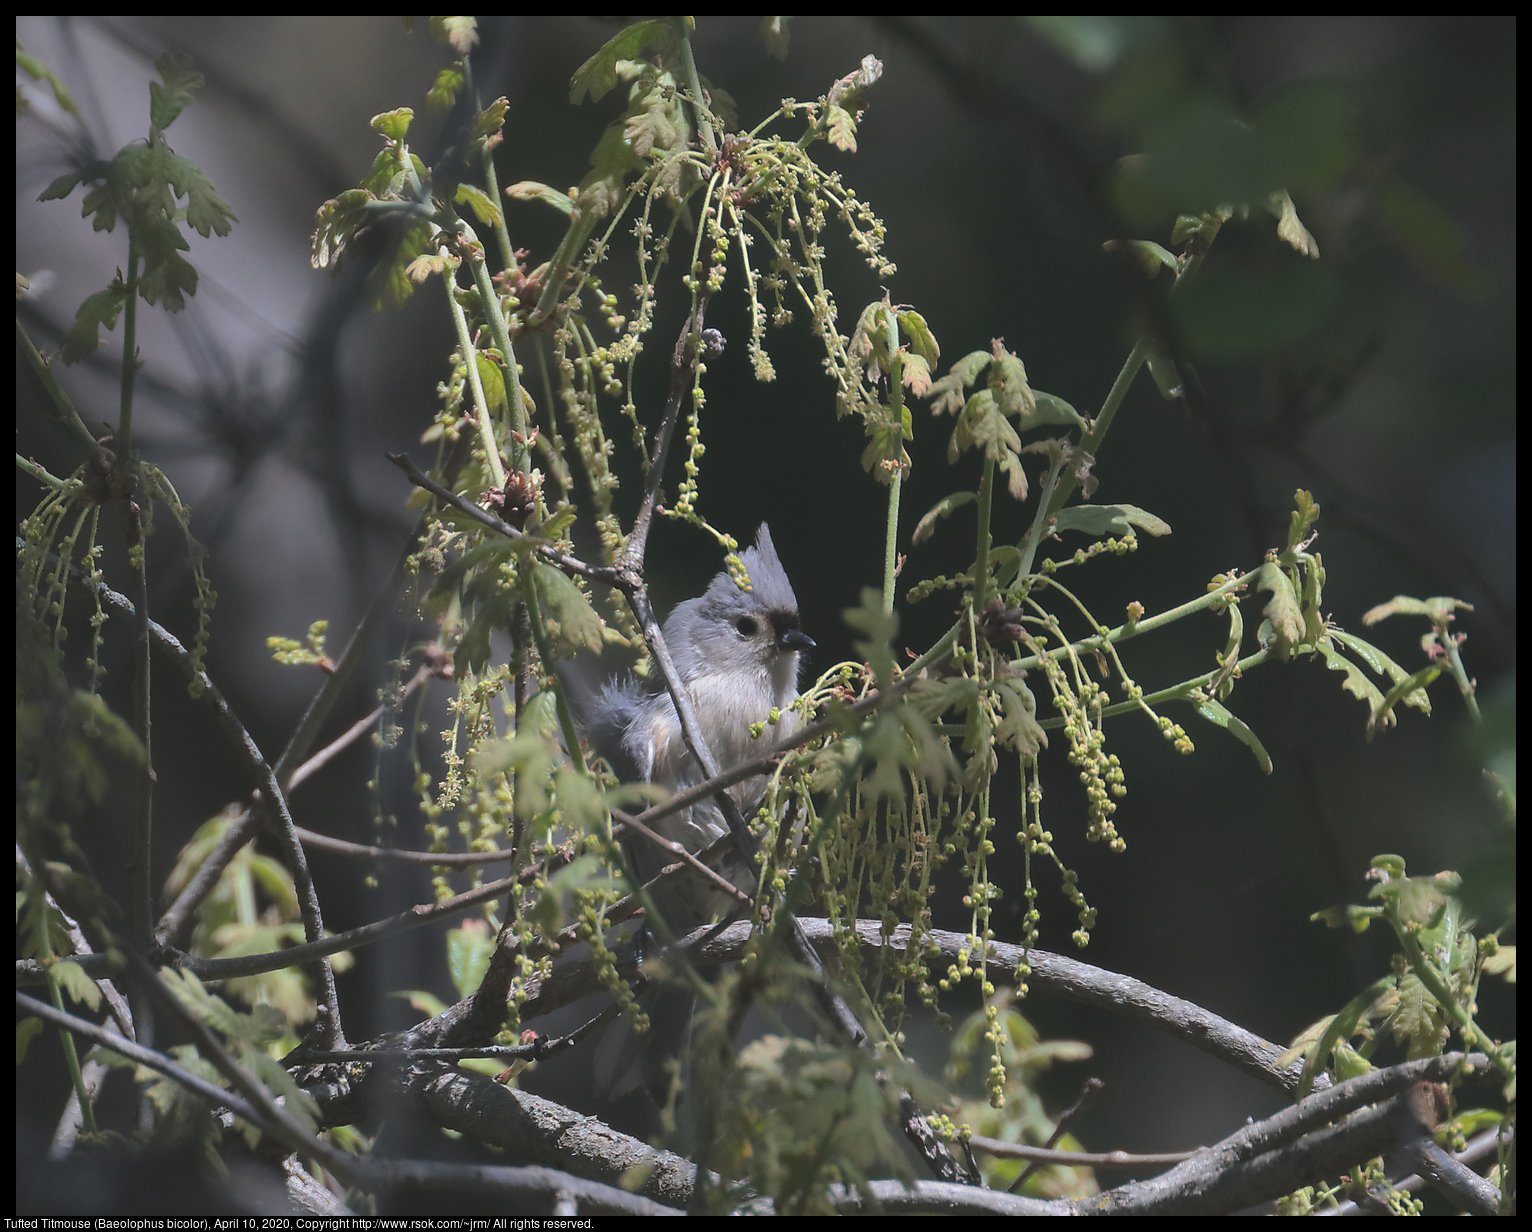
(794, 639)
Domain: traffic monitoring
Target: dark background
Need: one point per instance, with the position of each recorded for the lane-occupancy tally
(272, 399)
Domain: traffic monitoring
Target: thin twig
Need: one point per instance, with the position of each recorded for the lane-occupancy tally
(512, 1188)
(444, 859)
(539, 1049)
(542, 547)
(1089, 1094)
(1041, 1155)
(721, 882)
(367, 934)
(355, 732)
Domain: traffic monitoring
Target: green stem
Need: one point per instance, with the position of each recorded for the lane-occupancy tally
(502, 232)
(471, 365)
(981, 546)
(507, 255)
(63, 407)
(29, 467)
(500, 332)
(580, 227)
(1437, 987)
(486, 156)
(1459, 672)
(1091, 441)
(943, 646)
(1173, 693)
(682, 27)
(1147, 625)
(896, 406)
(129, 359)
(71, 1057)
(1040, 516)
(891, 541)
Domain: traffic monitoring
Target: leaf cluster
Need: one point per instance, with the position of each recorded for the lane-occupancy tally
(142, 184)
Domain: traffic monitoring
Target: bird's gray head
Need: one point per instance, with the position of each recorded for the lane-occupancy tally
(752, 635)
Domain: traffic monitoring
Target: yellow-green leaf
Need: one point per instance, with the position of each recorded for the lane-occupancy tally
(1216, 713)
(531, 190)
(26, 1031)
(566, 609)
(1284, 611)
(393, 124)
(484, 207)
(943, 508)
(1099, 520)
(599, 74)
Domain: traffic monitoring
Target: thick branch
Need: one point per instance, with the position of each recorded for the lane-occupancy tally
(513, 1186)
(1118, 994)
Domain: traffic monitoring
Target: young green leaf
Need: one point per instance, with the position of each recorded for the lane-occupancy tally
(1149, 256)
(943, 508)
(80, 987)
(484, 207)
(83, 337)
(1356, 682)
(853, 84)
(1289, 229)
(774, 33)
(1303, 517)
(1008, 377)
(443, 92)
(877, 628)
(167, 276)
(840, 125)
(1284, 611)
(598, 75)
(167, 101)
(491, 119)
(492, 380)
(1382, 664)
(38, 71)
(393, 124)
(469, 949)
(1216, 713)
(947, 394)
(916, 374)
(568, 612)
(1433, 610)
(1411, 689)
(1049, 409)
(531, 190)
(1099, 520)
(982, 423)
(1018, 728)
(920, 336)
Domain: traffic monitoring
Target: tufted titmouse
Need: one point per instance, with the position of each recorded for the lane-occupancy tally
(737, 655)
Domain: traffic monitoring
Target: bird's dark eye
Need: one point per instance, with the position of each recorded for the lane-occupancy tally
(746, 626)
